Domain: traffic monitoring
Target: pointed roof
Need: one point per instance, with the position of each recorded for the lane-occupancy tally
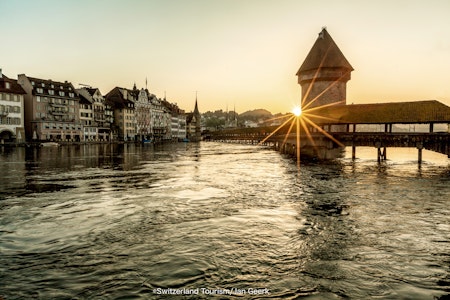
(196, 111)
(324, 54)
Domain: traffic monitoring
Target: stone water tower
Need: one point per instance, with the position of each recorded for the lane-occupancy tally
(324, 74)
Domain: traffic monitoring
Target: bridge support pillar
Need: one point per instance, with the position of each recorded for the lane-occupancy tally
(419, 156)
(353, 152)
(381, 155)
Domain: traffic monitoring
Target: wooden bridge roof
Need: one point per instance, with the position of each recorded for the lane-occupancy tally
(430, 111)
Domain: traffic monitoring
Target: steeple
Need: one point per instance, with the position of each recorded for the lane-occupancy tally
(324, 73)
(195, 132)
(196, 111)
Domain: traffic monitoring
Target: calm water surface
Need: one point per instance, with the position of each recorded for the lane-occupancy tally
(131, 222)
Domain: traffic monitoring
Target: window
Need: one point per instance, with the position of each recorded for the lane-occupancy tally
(7, 85)
(42, 84)
(61, 93)
(71, 95)
(40, 90)
(38, 98)
(51, 92)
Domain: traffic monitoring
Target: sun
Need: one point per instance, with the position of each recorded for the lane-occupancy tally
(297, 111)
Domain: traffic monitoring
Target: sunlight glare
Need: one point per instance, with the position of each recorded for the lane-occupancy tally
(297, 111)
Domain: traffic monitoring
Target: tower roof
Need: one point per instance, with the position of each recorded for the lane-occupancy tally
(196, 111)
(324, 54)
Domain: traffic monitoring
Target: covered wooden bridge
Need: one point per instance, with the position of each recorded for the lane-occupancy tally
(380, 125)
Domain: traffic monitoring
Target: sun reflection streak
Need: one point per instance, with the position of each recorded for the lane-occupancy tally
(308, 133)
(324, 132)
(275, 131)
(324, 91)
(314, 80)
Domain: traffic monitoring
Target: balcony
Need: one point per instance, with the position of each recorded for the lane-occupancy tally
(57, 105)
(3, 114)
(58, 110)
(99, 118)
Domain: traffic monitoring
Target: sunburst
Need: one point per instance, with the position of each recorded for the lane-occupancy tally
(302, 116)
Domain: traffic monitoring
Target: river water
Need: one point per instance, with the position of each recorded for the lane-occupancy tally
(221, 221)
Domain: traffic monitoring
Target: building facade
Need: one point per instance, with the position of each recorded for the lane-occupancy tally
(143, 115)
(123, 103)
(102, 115)
(51, 110)
(158, 119)
(89, 127)
(11, 111)
(177, 122)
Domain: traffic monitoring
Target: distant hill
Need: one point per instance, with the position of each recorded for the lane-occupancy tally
(258, 113)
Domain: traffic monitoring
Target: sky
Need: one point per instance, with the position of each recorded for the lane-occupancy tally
(234, 54)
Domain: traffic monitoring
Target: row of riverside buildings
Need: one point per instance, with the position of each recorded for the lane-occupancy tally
(38, 110)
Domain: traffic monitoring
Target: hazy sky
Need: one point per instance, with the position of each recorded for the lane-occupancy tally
(241, 53)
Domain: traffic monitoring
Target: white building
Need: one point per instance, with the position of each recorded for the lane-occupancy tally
(158, 120)
(90, 130)
(11, 110)
(143, 115)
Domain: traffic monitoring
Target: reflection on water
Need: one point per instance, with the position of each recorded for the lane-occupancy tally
(126, 221)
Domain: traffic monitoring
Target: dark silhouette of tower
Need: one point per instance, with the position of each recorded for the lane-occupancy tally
(193, 124)
(198, 126)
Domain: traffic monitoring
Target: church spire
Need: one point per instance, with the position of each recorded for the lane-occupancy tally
(196, 111)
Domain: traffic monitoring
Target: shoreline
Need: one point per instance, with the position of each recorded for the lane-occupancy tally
(57, 144)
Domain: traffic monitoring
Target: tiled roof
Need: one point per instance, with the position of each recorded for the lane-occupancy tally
(48, 84)
(324, 54)
(85, 97)
(429, 111)
(117, 99)
(91, 91)
(14, 87)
